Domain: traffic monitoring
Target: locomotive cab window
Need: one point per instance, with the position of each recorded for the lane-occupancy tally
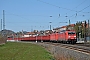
(71, 33)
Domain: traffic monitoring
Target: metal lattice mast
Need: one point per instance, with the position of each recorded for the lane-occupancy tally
(3, 19)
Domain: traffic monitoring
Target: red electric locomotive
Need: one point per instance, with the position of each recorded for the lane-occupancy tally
(67, 36)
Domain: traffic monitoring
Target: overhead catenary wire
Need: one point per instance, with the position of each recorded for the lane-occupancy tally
(59, 15)
(56, 5)
(67, 8)
(81, 3)
(9, 13)
(79, 11)
(63, 7)
(84, 8)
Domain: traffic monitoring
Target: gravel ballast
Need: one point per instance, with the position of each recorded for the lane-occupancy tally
(61, 53)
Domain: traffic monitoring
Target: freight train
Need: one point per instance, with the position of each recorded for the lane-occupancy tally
(67, 36)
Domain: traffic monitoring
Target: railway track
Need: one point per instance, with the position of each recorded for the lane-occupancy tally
(78, 49)
(81, 49)
(83, 44)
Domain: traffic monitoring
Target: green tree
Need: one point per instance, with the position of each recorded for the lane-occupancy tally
(80, 29)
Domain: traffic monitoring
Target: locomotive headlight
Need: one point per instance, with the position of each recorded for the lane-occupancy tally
(74, 36)
(68, 36)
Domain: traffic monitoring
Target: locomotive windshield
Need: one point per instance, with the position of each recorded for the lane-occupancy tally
(71, 33)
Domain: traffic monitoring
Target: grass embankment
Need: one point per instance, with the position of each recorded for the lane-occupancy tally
(23, 51)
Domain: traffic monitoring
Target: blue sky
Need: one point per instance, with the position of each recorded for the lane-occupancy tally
(31, 15)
